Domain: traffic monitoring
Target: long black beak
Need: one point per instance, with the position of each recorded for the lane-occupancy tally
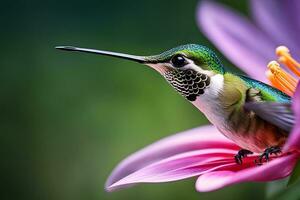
(139, 59)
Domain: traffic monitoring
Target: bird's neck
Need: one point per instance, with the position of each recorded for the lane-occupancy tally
(209, 102)
(223, 96)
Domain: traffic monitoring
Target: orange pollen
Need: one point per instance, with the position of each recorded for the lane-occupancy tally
(280, 78)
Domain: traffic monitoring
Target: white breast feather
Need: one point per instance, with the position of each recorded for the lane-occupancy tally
(208, 103)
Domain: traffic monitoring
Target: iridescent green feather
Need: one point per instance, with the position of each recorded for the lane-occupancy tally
(201, 55)
(268, 93)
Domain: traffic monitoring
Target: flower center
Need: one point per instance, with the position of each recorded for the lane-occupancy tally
(280, 78)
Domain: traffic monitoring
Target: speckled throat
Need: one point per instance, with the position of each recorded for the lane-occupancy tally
(188, 83)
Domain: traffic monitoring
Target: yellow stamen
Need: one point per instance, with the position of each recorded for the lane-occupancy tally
(273, 80)
(285, 58)
(281, 79)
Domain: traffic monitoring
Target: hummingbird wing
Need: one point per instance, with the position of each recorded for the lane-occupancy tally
(264, 92)
(269, 103)
(279, 114)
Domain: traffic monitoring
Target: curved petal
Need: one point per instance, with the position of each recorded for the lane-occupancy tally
(294, 138)
(296, 101)
(275, 169)
(243, 43)
(280, 20)
(180, 166)
(205, 137)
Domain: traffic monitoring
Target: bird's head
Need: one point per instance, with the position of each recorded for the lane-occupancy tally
(188, 68)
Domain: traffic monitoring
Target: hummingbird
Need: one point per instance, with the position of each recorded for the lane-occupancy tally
(254, 115)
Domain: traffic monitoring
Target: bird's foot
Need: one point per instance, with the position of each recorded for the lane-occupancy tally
(266, 154)
(240, 155)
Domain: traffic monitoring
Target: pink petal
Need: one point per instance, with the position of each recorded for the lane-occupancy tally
(275, 169)
(280, 20)
(296, 101)
(243, 43)
(205, 137)
(179, 167)
(294, 138)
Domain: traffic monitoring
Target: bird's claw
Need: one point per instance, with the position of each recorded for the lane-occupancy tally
(266, 154)
(240, 155)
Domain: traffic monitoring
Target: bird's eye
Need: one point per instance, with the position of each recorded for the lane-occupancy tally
(178, 61)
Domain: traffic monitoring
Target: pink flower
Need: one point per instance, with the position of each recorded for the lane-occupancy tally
(207, 154)
(250, 44)
(204, 152)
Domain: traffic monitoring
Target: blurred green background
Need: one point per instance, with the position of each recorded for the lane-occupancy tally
(67, 119)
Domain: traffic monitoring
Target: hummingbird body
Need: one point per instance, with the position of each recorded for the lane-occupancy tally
(197, 74)
(223, 104)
